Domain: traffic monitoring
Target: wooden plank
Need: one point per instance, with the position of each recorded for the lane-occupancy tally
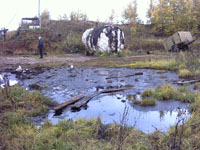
(114, 90)
(86, 100)
(67, 103)
(135, 74)
(188, 82)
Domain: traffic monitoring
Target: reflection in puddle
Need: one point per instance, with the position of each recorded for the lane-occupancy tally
(110, 109)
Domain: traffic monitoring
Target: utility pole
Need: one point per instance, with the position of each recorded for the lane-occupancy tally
(39, 13)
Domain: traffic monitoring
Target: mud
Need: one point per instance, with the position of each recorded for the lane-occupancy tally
(64, 83)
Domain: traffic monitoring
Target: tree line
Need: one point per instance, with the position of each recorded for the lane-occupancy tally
(169, 16)
(166, 16)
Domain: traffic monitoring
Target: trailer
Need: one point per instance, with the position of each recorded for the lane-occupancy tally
(178, 41)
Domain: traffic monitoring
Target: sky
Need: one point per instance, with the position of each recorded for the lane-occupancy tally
(12, 11)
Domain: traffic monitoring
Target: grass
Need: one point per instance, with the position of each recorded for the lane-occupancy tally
(185, 73)
(31, 104)
(168, 92)
(145, 102)
(18, 132)
(161, 64)
(185, 63)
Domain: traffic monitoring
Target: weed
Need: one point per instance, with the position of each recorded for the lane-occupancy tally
(167, 92)
(185, 73)
(177, 141)
(155, 64)
(147, 93)
(123, 131)
(125, 52)
(148, 102)
(145, 102)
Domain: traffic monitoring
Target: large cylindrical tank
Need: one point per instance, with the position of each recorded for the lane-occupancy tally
(104, 39)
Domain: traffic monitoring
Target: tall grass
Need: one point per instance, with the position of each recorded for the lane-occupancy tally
(168, 92)
(19, 133)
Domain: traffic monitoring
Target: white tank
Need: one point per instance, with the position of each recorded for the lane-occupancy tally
(104, 39)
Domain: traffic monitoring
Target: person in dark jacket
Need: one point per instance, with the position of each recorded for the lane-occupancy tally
(41, 46)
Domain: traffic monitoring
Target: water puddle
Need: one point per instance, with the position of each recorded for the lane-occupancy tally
(65, 83)
(111, 108)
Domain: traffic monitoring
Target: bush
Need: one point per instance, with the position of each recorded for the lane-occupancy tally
(165, 92)
(147, 93)
(185, 73)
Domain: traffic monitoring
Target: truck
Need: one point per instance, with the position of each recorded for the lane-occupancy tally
(178, 41)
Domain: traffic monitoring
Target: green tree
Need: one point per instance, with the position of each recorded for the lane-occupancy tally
(45, 18)
(78, 16)
(130, 13)
(150, 10)
(169, 16)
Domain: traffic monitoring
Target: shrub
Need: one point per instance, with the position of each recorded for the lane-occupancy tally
(145, 102)
(165, 92)
(148, 102)
(147, 93)
(185, 73)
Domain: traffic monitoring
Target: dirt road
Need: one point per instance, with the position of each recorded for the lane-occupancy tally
(10, 62)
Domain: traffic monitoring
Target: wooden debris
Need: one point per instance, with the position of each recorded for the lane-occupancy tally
(67, 103)
(114, 90)
(86, 100)
(135, 74)
(187, 82)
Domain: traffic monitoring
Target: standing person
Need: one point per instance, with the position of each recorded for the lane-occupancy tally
(41, 46)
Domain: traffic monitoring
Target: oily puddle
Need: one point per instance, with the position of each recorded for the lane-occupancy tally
(65, 83)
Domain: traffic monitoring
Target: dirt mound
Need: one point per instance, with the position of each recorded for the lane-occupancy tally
(57, 36)
(25, 42)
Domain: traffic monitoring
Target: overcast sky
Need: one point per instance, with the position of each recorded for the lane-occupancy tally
(12, 11)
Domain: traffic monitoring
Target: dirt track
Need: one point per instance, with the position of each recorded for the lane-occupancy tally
(11, 62)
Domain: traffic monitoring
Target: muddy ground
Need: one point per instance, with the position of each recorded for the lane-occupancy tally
(53, 70)
(8, 63)
(63, 84)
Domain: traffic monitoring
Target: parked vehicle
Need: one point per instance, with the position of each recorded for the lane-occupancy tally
(178, 41)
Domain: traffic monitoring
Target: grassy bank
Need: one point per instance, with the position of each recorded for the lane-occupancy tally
(167, 92)
(18, 132)
(187, 64)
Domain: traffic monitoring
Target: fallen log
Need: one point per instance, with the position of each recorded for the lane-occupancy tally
(187, 82)
(135, 74)
(88, 98)
(85, 99)
(67, 103)
(114, 90)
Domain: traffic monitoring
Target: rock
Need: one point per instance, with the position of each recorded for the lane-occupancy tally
(104, 39)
